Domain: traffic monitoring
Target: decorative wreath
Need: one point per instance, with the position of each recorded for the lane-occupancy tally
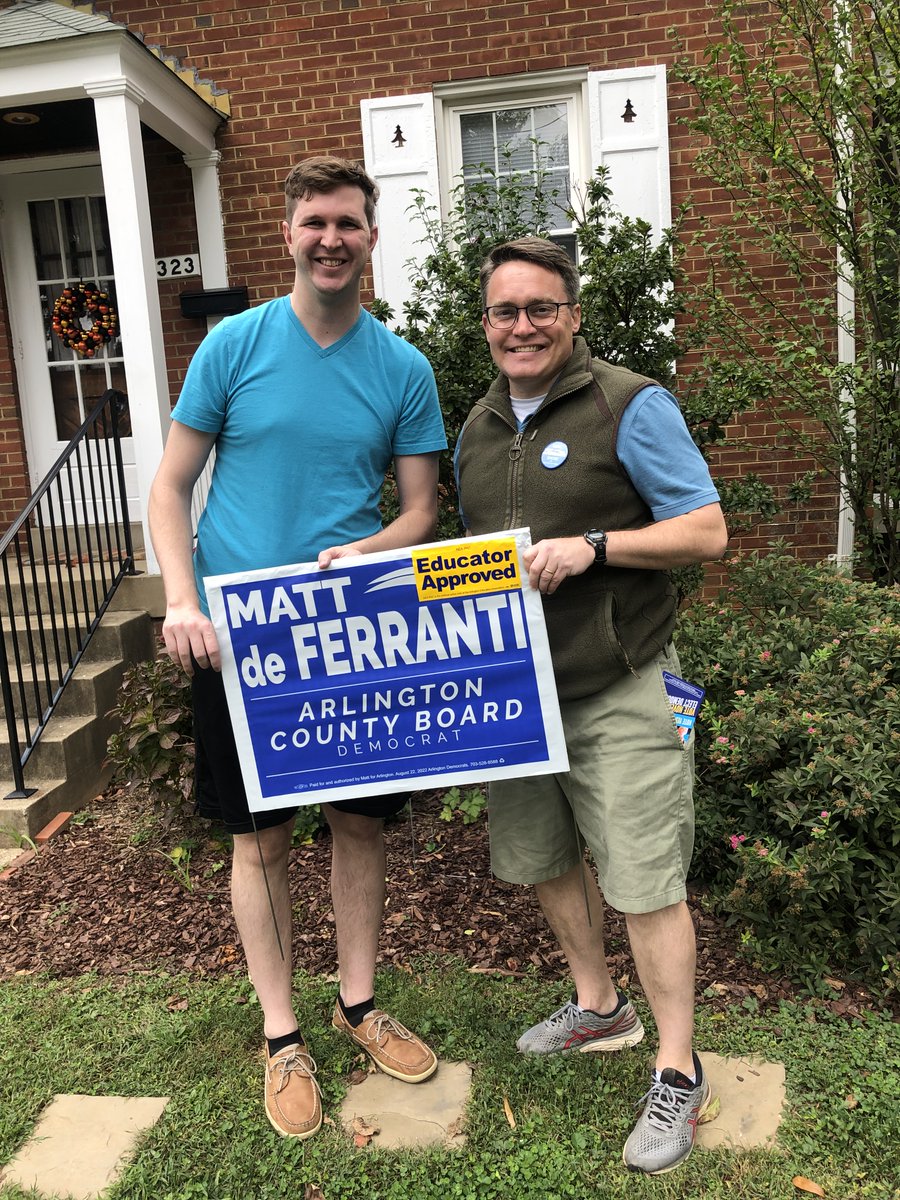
(84, 319)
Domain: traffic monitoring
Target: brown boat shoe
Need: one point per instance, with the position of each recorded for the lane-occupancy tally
(293, 1100)
(390, 1045)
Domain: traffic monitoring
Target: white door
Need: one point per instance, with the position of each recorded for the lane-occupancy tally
(53, 236)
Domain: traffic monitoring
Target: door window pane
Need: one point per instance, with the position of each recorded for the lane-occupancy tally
(71, 246)
(66, 401)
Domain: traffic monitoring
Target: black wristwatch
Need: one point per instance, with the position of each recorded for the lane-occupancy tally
(597, 539)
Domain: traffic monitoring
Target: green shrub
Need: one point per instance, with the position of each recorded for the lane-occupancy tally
(155, 742)
(468, 804)
(798, 763)
(632, 309)
(443, 316)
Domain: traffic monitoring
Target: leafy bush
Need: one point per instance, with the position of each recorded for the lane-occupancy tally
(468, 804)
(796, 118)
(443, 316)
(798, 763)
(155, 744)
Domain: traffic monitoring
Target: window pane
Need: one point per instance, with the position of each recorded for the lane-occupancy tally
(117, 380)
(100, 235)
(519, 142)
(45, 236)
(551, 129)
(66, 401)
(77, 244)
(556, 185)
(515, 140)
(56, 351)
(478, 144)
(566, 241)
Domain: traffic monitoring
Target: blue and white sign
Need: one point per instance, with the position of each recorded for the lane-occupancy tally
(406, 669)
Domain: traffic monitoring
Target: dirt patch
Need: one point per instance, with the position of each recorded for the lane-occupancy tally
(107, 896)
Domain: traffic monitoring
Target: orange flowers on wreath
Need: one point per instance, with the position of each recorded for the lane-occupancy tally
(78, 302)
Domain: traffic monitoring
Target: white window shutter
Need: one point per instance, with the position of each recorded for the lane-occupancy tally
(636, 152)
(401, 154)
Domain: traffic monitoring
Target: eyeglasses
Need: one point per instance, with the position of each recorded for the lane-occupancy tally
(540, 313)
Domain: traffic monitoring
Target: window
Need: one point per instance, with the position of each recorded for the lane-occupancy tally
(565, 123)
(524, 130)
(530, 141)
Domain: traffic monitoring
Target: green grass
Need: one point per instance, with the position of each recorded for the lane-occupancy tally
(126, 1037)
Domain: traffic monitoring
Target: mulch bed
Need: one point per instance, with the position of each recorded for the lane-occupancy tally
(104, 897)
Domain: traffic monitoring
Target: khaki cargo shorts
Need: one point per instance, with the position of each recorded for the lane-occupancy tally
(627, 796)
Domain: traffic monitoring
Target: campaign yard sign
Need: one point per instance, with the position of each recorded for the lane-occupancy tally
(401, 670)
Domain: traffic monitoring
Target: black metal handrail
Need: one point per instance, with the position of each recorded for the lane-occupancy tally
(83, 559)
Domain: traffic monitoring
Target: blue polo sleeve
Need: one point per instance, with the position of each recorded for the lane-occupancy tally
(660, 456)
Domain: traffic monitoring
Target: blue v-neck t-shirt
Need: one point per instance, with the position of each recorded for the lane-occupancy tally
(304, 435)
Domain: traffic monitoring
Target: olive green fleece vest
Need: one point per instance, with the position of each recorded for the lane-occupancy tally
(609, 620)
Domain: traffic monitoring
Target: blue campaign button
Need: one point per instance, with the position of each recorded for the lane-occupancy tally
(554, 454)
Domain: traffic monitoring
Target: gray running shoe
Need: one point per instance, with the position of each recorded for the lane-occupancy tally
(665, 1131)
(573, 1028)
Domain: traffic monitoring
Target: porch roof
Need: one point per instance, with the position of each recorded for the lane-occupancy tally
(53, 51)
(45, 21)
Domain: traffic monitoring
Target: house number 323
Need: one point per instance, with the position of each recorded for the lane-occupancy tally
(178, 267)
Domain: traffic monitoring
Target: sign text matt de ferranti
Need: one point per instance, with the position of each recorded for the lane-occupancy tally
(406, 669)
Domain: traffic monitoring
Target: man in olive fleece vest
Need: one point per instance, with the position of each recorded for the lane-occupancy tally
(598, 462)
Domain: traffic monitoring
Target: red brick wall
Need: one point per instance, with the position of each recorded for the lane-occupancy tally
(296, 72)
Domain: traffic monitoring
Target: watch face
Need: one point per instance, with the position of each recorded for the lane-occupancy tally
(597, 538)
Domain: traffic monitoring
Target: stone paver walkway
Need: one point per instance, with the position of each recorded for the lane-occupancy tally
(750, 1093)
(81, 1143)
(422, 1114)
(751, 1098)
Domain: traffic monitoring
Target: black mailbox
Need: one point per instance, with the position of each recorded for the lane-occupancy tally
(209, 302)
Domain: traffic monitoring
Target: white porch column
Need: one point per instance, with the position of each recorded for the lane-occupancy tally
(210, 226)
(211, 244)
(117, 107)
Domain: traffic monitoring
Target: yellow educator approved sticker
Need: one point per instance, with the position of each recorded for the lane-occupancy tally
(466, 568)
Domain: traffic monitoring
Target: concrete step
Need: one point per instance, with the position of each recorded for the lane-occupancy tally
(122, 633)
(62, 587)
(22, 817)
(57, 591)
(91, 690)
(68, 765)
(65, 746)
(26, 817)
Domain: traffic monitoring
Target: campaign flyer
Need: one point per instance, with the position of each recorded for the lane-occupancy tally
(684, 700)
(406, 669)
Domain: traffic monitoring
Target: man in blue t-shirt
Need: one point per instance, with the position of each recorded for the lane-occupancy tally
(307, 401)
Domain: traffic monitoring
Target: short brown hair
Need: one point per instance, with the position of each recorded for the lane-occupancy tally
(541, 252)
(326, 173)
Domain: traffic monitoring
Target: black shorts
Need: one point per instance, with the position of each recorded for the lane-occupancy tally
(218, 784)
